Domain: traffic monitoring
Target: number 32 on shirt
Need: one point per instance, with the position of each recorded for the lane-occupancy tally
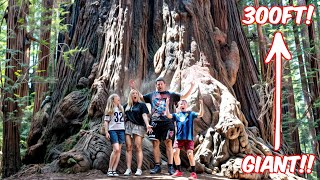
(118, 117)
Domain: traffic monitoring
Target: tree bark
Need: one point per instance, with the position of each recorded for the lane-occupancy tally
(15, 87)
(262, 47)
(41, 86)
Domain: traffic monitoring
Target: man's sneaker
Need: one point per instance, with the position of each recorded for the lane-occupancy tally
(193, 175)
(128, 172)
(110, 173)
(177, 174)
(155, 170)
(171, 170)
(138, 172)
(115, 173)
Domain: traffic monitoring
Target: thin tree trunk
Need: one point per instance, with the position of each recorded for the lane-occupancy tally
(317, 19)
(44, 54)
(15, 85)
(293, 128)
(262, 47)
(256, 47)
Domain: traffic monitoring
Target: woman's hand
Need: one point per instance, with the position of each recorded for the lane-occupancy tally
(149, 128)
(107, 135)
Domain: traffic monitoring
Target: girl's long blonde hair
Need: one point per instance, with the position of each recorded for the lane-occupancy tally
(130, 102)
(110, 105)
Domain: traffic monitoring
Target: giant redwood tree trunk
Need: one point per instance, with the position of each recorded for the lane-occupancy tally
(15, 86)
(183, 41)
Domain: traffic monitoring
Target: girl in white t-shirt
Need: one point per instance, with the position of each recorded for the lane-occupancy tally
(114, 125)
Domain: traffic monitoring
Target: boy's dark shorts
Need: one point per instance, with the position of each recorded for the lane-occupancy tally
(162, 130)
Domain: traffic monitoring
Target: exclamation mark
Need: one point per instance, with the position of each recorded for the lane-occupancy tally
(309, 14)
(303, 163)
(310, 163)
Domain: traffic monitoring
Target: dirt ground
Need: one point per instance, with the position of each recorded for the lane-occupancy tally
(33, 173)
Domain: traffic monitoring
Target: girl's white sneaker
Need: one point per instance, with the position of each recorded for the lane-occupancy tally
(110, 173)
(138, 172)
(115, 174)
(128, 172)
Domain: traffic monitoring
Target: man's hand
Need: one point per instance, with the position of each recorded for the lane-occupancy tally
(132, 84)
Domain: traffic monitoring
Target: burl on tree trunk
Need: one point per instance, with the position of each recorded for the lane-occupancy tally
(183, 41)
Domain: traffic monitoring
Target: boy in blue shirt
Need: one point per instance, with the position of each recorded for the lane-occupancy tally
(183, 121)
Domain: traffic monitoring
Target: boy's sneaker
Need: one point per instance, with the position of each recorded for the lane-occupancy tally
(128, 172)
(193, 175)
(155, 170)
(115, 173)
(110, 173)
(138, 172)
(171, 170)
(177, 174)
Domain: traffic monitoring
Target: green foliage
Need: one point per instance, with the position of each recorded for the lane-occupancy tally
(25, 128)
(71, 161)
(71, 52)
(8, 85)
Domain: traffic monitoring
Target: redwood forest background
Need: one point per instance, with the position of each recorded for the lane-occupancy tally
(60, 59)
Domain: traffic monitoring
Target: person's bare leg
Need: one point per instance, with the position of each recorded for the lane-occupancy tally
(157, 157)
(128, 151)
(138, 143)
(192, 164)
(113, 156)
(156, 151)
(118, 158)
(176, 156)
(177, 160)
(191, 157)
(169, 150)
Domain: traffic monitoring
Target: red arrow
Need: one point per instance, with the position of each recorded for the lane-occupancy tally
(278, 50)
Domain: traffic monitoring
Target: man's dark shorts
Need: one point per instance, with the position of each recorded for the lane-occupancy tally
(162, 130)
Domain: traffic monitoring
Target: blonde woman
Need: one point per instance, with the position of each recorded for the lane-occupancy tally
(114, 125)
(137, 124)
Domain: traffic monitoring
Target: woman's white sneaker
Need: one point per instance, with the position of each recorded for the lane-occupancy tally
(115, 174)
(110, 173)
(138, 172)
(128, 172)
